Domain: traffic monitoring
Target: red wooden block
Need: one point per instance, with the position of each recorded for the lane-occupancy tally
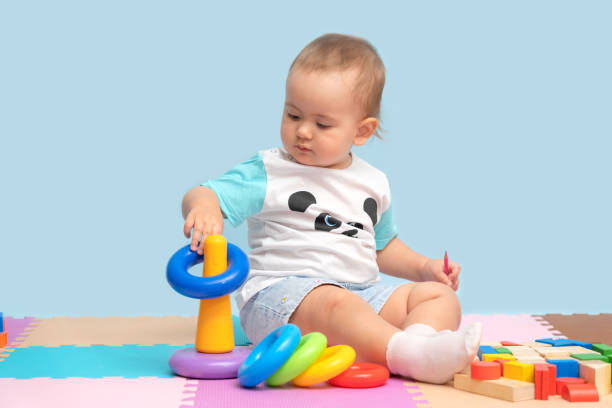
(509, 343)
(563, 381)
(3, 339)
(580, 393)
(542, 381)
(485, 370)
(552, 378)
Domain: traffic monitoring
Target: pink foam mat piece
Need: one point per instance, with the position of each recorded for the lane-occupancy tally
(229, 393)
(518, 328)
(15, 327)
(92, 392)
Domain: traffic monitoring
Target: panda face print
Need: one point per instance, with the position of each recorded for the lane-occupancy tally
(301, 200)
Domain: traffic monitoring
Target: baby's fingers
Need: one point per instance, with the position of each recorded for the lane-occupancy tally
(189, 221)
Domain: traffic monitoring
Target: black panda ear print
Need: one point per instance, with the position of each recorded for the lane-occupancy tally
(301, 200)
(370, 207)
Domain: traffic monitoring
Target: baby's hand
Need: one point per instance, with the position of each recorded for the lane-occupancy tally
(204, 222)
(434, 271)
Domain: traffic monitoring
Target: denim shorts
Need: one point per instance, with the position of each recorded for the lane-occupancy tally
(272, 306)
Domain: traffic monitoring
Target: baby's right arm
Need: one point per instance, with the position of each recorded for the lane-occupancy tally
(202, 214)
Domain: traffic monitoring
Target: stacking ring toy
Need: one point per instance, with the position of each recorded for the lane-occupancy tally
(331, 363)
(308, 351)
(206, 288)
(214, 354)
(361, 375)
(269, 355)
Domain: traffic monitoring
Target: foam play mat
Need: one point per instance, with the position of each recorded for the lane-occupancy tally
(123, 362)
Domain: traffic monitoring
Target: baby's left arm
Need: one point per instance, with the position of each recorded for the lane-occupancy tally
(397, 259)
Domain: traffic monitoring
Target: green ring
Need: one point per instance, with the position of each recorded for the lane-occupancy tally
(307, 352)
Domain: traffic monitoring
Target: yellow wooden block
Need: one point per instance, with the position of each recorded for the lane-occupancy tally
(493, 357)
(598, 373)
(502, 388)
(519, 371)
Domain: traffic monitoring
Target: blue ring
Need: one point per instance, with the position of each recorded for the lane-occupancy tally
(269, 355)
(211, 287)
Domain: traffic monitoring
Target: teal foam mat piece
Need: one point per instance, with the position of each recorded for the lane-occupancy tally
(240, 338)
(128, 361)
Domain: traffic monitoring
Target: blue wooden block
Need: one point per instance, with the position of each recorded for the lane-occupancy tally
(583, 344)
(550, 341)
(1, 323)
(486, 350)
(565, 343)
(566, 368)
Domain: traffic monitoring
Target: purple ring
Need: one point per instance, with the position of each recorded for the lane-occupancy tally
(191, 363)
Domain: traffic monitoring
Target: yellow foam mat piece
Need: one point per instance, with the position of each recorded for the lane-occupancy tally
(112, 331)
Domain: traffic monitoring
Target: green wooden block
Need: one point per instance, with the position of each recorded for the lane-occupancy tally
(603, 349)
(590, 356)
(503, 350)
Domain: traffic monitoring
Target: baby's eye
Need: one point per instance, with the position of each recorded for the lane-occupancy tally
(322, 126)
(293, 117)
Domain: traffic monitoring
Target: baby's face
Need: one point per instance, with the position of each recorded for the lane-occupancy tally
(321, 118)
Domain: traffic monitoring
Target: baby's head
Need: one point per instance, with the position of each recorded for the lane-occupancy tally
(332, 100)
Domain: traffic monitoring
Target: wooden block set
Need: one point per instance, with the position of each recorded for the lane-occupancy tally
(3, 334)
(577, 371)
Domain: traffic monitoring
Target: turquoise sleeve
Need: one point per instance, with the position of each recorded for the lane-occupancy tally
(385, 230)
(242, 190)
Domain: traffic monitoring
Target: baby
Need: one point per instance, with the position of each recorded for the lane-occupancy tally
(321, 227)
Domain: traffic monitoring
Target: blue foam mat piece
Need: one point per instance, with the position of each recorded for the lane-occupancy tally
(128, 361)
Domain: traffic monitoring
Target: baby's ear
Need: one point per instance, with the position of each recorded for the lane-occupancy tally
(365, 130)
(301, 200)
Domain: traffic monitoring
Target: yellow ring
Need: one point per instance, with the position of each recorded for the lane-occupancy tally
(332, 362)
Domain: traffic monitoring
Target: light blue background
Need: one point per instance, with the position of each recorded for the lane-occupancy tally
(498, 145)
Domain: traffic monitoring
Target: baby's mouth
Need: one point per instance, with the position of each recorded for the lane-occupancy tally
(303, 149)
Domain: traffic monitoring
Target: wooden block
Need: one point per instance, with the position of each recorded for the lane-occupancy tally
(534, 344)
(519, 371)
(503, 350)
(603, 349)
(509, 343)
(484, 349)
(580, 393)
(563, 381)
(598, 373)
(521, 349)
(590, 357)
(485, 370)
(552, 352)
(502, 388)
(493, 357)
(552, 378)
(3, 339)
(566, 368)
(531, 359)
(542, 381)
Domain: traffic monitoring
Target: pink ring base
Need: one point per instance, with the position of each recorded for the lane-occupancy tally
(190, 363)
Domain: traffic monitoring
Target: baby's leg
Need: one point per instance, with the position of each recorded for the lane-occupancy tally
(420, 351)
(430, 303)
(345, 318)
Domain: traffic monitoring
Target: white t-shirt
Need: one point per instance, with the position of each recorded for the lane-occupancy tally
(306, 220)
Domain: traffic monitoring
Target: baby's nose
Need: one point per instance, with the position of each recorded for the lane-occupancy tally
(303, 132)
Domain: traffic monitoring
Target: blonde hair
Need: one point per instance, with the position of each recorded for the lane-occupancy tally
(344, 52)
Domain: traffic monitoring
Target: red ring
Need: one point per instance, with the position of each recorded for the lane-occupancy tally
(361, 375)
